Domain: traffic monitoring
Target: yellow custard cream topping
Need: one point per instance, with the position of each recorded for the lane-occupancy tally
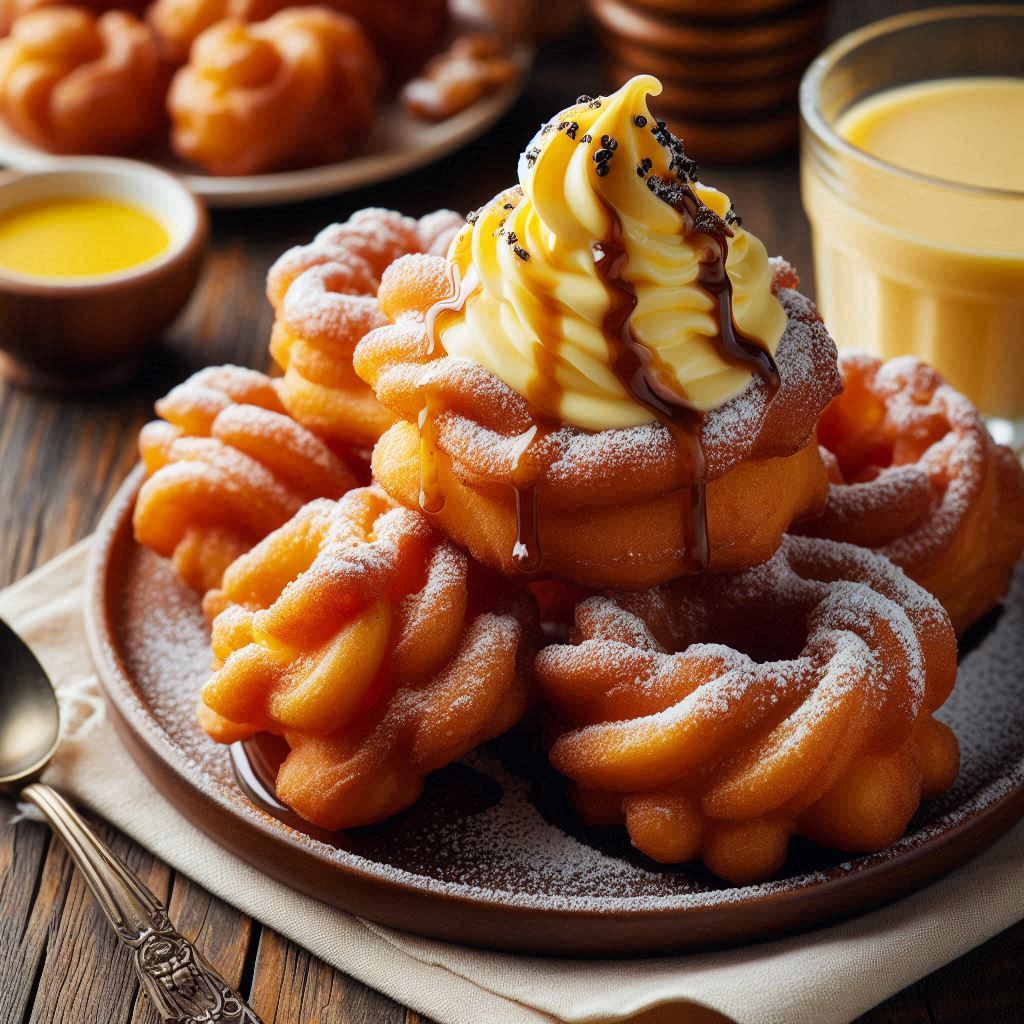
(536, 314)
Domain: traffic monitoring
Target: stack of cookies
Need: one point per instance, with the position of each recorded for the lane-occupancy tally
(730, 71)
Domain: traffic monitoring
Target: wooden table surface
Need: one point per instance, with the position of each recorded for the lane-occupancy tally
(61, 460)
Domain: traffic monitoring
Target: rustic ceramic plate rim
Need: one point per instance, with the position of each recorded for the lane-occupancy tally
(439, 140)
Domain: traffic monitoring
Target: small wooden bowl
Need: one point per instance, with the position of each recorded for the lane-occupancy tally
(89, 332)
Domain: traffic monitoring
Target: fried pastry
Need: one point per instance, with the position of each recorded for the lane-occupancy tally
(324, 296)
(473, 66)
(916, 475)
(403, 32)
(374, 647)
(717, 717)
(607, 380)
(226, 465)
(11, 10)
(295, 90)
(72, 81)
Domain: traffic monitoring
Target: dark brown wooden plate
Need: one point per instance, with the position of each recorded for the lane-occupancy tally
(491, 856)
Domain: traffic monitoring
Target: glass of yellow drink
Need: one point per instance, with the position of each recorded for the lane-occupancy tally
(912, 170)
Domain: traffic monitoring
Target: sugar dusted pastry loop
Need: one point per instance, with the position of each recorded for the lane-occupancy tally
(762, 467)
(716, 717)
(604, 381)
(374, 647)
(916, 475)
(295, 90)
(325, 298)
(226, 465)
(72, 81)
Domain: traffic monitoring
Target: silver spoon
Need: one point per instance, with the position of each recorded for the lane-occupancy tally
(180, 982)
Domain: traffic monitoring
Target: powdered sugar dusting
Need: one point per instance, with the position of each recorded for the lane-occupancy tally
(523, 848)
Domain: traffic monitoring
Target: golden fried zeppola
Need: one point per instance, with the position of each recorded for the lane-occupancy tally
(717, 717)
(916, 475)
(11, 10)
(226, 465)
(295, 90)
(72, 81)
(374, 647)
(324, 296)
(402, 33)
(606, 380)
(613, 508)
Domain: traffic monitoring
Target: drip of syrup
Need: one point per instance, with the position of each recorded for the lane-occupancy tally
(462, 286)
(527, 555)
(431, 495)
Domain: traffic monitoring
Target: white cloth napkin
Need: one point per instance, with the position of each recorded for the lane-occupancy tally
(823, 977)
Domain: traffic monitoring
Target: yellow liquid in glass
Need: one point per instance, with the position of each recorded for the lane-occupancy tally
(78, 237)
(967, 130)
(905, 265)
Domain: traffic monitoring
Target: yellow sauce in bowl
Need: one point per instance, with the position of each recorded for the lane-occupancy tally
(68, 237)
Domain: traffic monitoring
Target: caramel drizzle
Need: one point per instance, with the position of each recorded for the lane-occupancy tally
(431, 495)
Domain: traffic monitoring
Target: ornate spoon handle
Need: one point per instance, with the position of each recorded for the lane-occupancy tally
(181, 984)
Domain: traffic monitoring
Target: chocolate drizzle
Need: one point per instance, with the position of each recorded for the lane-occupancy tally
(642, 374)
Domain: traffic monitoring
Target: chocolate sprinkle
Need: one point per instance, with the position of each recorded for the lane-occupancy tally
(640, 121)
(521, 252)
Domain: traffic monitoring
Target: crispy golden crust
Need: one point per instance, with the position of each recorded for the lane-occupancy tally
(324, 296)
(610, 505)
(226, 465)
(296, 90)
(916, 475)
(402, 33)
(718, 717)
(374, 647)
(72, 81)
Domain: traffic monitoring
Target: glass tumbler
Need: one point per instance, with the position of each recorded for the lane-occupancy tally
(895, 274)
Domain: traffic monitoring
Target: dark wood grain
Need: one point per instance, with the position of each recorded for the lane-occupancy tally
(62, 458)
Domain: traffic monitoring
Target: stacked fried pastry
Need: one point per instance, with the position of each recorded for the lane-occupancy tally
(249, 86)
(599, 404)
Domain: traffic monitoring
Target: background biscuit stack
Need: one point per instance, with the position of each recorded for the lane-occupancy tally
(730, 68)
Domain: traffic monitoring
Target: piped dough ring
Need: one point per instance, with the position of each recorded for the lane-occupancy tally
(226, 465)
(374, 647)
(716, 717)
(324, 296)
(916, 475)
(610, 507)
